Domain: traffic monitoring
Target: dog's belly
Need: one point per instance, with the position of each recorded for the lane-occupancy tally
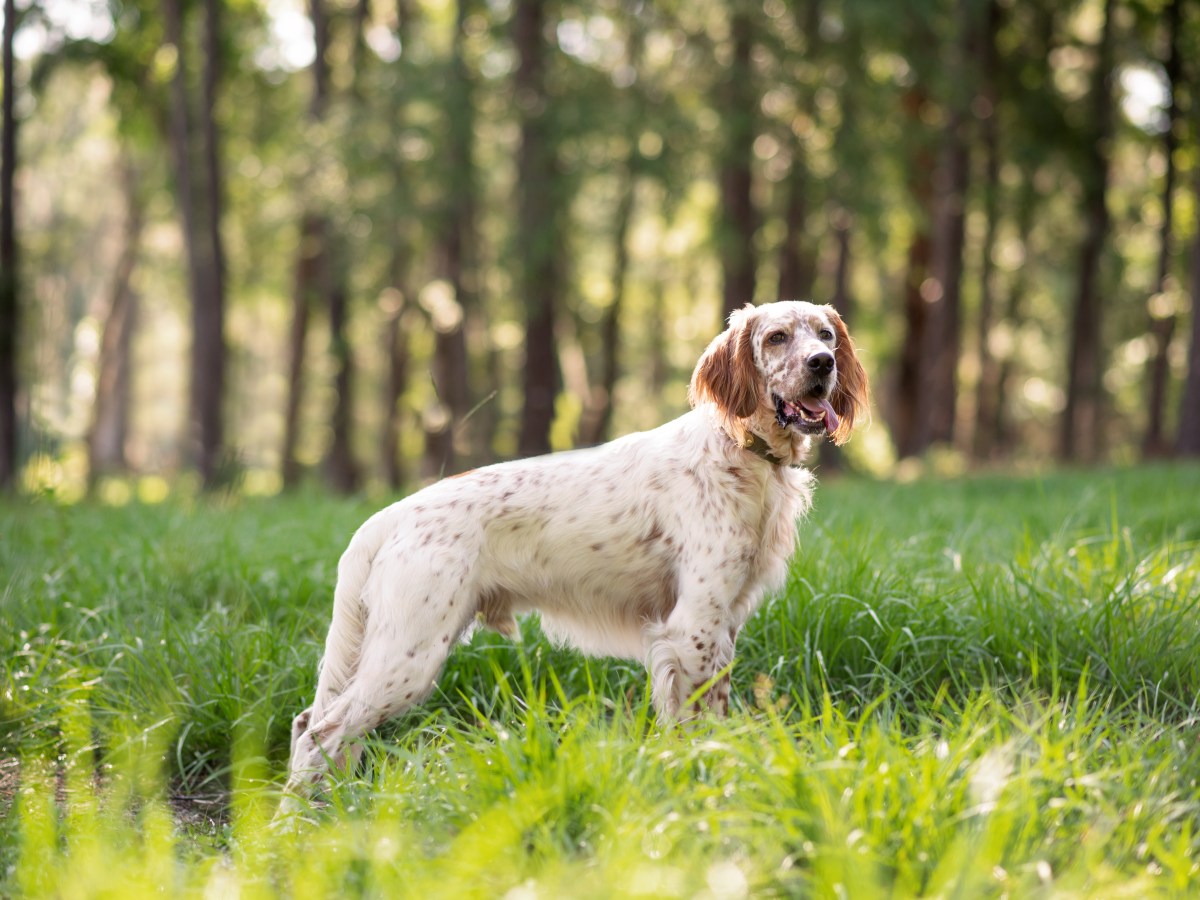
(593, 593)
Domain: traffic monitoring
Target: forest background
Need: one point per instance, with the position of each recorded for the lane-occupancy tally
(369, 242)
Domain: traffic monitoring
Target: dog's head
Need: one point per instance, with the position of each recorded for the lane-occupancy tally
(791, 361)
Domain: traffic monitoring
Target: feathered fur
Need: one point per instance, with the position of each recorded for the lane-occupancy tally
(656, 546)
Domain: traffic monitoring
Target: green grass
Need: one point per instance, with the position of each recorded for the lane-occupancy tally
(977, 688)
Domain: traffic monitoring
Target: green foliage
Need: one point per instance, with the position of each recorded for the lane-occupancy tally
(973, 688)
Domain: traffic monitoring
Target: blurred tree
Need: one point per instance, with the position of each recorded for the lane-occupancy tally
(109, 429)
(596, 425)
(320, 284)
(1188, 442)
(1162, 314)
(988, 100)
(937, 393)
(198, 179)
(397, 296)
(539, 225)
(458, 311)
(797, 254)
(1080, 433)
(906, 424)
(9, 286)
(737, 101)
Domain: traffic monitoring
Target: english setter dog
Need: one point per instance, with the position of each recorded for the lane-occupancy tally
(656, 546)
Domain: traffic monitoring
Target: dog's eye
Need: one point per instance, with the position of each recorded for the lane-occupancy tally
(777, 338)
(825, 334)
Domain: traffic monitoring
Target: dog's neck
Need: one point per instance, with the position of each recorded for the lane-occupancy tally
(758, 445)
(768, 441)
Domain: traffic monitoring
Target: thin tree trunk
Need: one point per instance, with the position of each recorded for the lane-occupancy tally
(737, 218)
(831, 455)
(999, 424)
(341, 470)
(197, 174)
(1162, 322)
(109, 427)
(396, 383)
(796, 262)
(399, 299)
(208, 352)
(660, 366)
(1080, 432)
(1188, 442)
(539, 236)
(797, 255)
(309, 266)
(451, 362)
(597, 420)
(910, 368)
(984, 436)
(307, 269)
(596, 425)
(842, 224)
(9, 292)
(937, 397)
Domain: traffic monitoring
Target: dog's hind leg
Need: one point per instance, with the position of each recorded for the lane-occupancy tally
(403, 648)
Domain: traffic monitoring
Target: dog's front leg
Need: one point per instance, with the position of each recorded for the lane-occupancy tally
(690, 654)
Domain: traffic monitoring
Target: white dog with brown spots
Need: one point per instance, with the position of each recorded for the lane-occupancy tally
(656, 546)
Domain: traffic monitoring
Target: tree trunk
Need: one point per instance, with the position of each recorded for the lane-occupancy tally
(197, 174)
(737, 219)
(109, 427)
(310, 264)
(597, 421)
(984, 436)
(539, 237)
(596, 426)
(909, 371)
(396, 383)
(937, 396)
(797, 255)
(1080, 427)
(999, 424)
(796, 262)
(660, 365)
(9, 306)
(451, 363)
(341, 471)
(208, 352)
(307, 269)
(1188, 443)
(398, 300)
(831, 455)
(1162, 321)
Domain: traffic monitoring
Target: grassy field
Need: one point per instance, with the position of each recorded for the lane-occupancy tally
(986, 687)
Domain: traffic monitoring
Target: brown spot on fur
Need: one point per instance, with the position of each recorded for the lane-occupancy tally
(655, 533)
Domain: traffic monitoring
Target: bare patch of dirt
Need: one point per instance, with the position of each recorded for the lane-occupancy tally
(10, 778)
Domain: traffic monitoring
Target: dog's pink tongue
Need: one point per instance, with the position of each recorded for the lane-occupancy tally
(822, 406)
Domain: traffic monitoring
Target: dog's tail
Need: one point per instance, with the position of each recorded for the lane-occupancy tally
(343, 646)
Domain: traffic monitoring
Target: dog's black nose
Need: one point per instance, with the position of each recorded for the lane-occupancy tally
(821, 363)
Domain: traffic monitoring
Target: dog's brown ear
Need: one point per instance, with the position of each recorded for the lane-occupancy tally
(726, 374)
(850, 399)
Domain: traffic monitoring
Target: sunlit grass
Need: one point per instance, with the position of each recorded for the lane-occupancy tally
(979, 688)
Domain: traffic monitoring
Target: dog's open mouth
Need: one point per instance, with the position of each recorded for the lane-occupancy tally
(811, 415)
